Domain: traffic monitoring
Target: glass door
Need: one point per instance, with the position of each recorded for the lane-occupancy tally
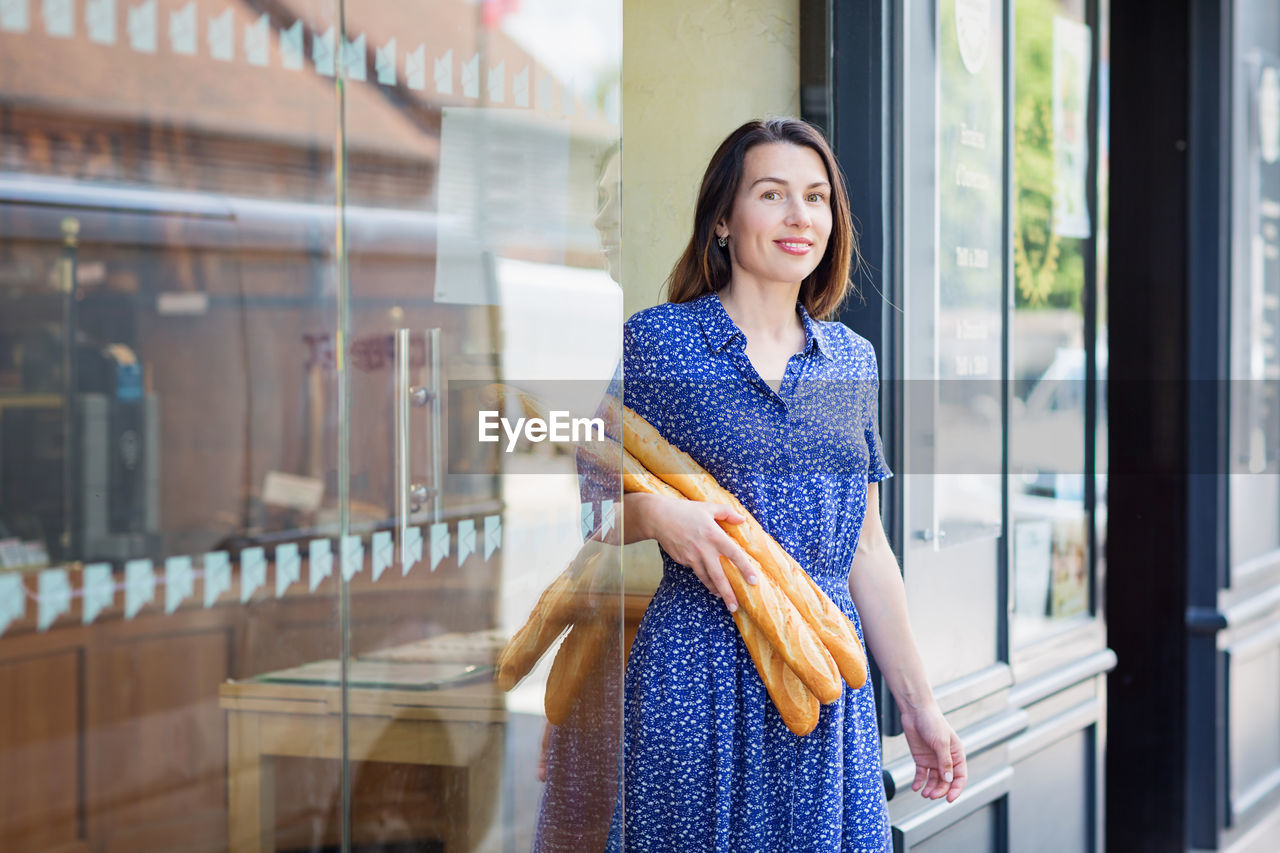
(308, 314)
(482, 327)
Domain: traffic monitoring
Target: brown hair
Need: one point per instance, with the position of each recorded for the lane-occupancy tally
(704, 269)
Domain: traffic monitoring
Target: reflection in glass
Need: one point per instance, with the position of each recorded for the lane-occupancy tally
(257, 615)
(1255, 298)
(1052, 232)
(967, 453)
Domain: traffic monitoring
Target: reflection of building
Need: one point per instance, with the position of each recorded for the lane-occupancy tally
(209, 252)
(220, 347)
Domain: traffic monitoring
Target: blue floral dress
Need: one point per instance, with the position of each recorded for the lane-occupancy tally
(709, 764)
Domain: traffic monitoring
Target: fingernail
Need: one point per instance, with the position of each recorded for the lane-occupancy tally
(733, 608)
(752, 579)
(947, 775)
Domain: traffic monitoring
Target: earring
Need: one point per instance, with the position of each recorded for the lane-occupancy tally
(723, 242)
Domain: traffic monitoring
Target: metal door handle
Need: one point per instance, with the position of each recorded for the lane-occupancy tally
(411, 497)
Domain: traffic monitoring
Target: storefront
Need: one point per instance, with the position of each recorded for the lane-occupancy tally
(975, 138)
(1193, 619)
(263, 265)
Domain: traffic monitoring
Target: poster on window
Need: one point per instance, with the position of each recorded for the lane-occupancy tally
(1071, 54)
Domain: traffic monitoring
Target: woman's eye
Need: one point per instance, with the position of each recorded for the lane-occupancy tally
(817, 198)
(770, 195)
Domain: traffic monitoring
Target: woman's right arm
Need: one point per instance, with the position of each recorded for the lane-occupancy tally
(689, 531)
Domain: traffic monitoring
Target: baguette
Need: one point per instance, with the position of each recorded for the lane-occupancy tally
(771, 612)
(678, 469)
(574, 661)
(554, 612)
(798, 707)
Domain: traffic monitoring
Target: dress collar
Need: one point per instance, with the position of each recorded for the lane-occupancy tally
(720, 330)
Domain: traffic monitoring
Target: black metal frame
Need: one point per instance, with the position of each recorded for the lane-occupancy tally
(1208, 404)
(1148, 494)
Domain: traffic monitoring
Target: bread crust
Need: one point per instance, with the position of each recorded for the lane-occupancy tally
(679, 470)
(798, 707)
(578, 656)
(771, 612)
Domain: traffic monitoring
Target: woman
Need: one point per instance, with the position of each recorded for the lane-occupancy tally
(781, 408)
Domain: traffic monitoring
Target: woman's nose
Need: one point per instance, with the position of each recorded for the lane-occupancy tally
(797, 213)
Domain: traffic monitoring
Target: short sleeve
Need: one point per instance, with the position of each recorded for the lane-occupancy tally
(877, 468)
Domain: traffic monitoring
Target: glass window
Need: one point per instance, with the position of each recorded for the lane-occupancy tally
(1255, 294)
(1053, 230)
(953, 315)
(262, 271)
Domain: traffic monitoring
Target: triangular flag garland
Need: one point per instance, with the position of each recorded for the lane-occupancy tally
(171, 585)
(188, 31)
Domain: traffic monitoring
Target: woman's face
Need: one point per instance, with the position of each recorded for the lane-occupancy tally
(608, 219)
(781, 218)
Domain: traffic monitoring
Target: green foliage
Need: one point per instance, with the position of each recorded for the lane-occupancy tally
(1048, 268)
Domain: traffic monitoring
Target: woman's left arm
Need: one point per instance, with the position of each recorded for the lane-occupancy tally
(875, 582)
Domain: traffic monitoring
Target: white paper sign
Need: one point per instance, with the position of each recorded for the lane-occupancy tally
(386, 63)
(443, 70)
(471, 77)
(13, 599)
(466, 540)
(100, 19)
(520, 88)
(291, 47)
(410, 549)
(99, 591)
(497, 78)
(59, 18)
(179, 582)
(288, 566)
(439, 543)
(323, 48)
(15, 16)
(384, 551)
(257, 41)
(492, 535)
(217, 576)
(142, 27)
(253, 572)
(352, 556)
(182, 30)
(606, 517)
(292, 490)
(320, 561)
(139, 586)
(222, 37)
(353, 58)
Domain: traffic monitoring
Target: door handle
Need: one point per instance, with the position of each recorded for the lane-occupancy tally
(410, 496)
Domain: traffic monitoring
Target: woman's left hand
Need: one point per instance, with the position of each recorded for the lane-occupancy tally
(938, 753)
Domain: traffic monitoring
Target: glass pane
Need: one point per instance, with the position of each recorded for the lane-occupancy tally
(1051, 236)
(479, 249)
(1255, 296)
(967, 360)
(169, 415)
(954, 188)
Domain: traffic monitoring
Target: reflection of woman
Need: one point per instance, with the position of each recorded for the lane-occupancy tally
(781, 408)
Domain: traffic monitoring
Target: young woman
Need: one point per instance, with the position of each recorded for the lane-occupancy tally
(740, 370)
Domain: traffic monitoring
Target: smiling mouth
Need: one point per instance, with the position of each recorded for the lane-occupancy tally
(794, 247)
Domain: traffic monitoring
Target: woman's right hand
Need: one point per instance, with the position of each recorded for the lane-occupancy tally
(690, 533)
